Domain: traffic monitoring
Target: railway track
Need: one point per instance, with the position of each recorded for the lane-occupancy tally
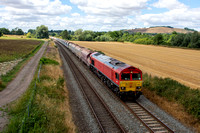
(105, 118)
(151, 122)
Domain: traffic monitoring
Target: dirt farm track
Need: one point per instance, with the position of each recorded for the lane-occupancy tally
(182, 65)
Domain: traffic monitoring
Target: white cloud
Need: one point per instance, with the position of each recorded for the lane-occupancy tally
(106, 15)
(103, 15)
(95, 23)
(110, 8)
(184, 17)
(75, 15)
(170, 4)
(29, 13)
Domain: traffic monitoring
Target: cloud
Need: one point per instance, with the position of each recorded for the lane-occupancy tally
(170, 4)
(182, 17)
(97, 23)
(75, 15)
(111, 8)
(106, 15)
(17, 13)
(35, 7)
(99, 15)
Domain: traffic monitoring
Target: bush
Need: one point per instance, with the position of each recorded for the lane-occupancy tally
(144, 41)
(158, 39)
(174, 91)
(44, 60)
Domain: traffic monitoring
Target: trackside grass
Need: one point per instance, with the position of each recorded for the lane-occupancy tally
(49, 111)
(174, 92)
(5, 79)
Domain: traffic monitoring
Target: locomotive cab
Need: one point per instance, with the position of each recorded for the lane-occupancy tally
(130, 82)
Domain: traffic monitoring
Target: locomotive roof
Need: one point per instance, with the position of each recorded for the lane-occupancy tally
(111, 62)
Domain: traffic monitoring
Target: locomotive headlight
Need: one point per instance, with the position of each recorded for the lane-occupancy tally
(123, 88)
(138, 87)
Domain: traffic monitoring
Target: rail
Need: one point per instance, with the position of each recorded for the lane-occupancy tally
(105, 118)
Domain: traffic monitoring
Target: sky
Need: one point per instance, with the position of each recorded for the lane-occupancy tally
(99, 15)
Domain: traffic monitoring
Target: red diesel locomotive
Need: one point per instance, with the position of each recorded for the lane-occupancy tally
(123, 79)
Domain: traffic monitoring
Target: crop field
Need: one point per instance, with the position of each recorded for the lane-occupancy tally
(15, 49)
(182, 65)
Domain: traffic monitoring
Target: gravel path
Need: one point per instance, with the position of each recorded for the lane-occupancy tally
(19, 85)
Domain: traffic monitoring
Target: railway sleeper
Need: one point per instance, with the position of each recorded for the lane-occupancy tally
(137, 112)
(145, 116)
(158, 128)
(153, 125)
(164, 131)
(152, 121)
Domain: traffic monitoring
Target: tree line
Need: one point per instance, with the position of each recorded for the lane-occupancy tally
(15, 31)
(40, 32)
(190, 40)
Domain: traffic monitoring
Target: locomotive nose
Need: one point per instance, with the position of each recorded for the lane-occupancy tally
(130, 85)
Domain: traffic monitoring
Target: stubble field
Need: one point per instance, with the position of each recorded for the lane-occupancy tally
(182, 65)
(14, 49)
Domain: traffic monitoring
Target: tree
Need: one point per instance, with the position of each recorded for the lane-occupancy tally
(42, 32)
(65, 34)
(28, 35)
(178, 40)
(5, 31)
(32, 31)
(53, 34)
(158, 39)
(13, 32)
(174, 32)
(195, 40)
(186, 40)
(19, 32)
(88, 35)
(1, 34)
(116, 34)
(79, 35)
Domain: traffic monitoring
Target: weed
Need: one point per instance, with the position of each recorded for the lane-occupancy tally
(44, 60)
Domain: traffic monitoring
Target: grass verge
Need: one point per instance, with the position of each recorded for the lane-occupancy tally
(183, 99)
(5, 79)
(49, 110)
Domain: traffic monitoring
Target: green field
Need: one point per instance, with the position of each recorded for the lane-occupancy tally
(15, 49)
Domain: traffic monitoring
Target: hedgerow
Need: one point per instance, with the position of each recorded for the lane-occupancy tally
(174, 91)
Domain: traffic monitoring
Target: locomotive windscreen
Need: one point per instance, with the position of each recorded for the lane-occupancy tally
(136, 76)
(125, 76)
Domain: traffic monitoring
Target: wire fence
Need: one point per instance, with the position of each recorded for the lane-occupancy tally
(27, 114)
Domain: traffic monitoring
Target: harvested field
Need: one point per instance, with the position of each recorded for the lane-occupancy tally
(179, 64)
(15, 49)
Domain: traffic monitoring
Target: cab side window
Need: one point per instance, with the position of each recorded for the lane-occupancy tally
(117, 76)
(92, 62)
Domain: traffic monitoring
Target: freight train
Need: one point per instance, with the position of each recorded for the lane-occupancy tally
(123, 79)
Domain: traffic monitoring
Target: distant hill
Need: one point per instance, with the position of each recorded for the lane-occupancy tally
(166, 29)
